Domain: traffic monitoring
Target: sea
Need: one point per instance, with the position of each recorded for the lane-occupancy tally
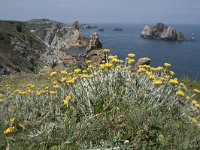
(184, 56)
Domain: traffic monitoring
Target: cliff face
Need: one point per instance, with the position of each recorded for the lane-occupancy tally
(25, 47)
(64, 38)
(20, 50)
(162, 32)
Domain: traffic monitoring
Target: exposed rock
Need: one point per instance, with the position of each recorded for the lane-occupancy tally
(162, 32)
(142, 61)
(65, 38)
(180, 37)
(94, 43)
(88, 26)
(169, 34)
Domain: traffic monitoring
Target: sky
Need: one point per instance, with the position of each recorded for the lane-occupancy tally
(103, 11)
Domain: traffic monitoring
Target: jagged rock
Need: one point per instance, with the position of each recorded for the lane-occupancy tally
(94, 43)
(162, 32)
(142, 61)
(62, 38)
(88, 26)
(180, 37)
(169, 34)
(75, 26)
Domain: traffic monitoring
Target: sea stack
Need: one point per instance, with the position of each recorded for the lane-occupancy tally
(161, 31)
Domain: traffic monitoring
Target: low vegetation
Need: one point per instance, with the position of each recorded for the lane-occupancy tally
(98, 107)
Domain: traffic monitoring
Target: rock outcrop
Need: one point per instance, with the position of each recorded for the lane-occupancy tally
(65, 38)
(88, 26)
(94, 43)
(142, 61)
(162, 32)
(27, 49)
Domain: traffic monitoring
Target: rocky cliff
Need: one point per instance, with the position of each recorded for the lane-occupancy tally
(64, 38)
(25, 48)
(162, 32)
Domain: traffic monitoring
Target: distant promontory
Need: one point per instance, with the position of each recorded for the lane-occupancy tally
(161, 31)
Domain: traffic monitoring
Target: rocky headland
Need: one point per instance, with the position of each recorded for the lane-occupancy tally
(32, 45)
(161, 31)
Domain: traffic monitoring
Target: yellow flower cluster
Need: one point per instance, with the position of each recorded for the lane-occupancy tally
(173, 81)
(167, 65)
(180, 93)
(9, 130)
(157, 82)
(106, 51)
(66, 100)
(53, 73)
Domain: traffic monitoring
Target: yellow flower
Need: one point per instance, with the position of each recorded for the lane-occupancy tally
(167, 65)
(53, 73)
(118, 67)
(151, 76)
(29, 91)
(102, 66)
(180, 93)
(157, 82)
(63, 79)
(9, 130)
(77, 70)
(72, 80)
(66, 100)
(1, 100)
(39, 93)
(194, 102)
(131, 55)
(85, 76)
(106, 51)
(56, 86)
(141, 70)
(84, 71)
(30, 85)
(131, 61)
(173, 81)
(194, 120)
(111, 57)
(52, 92)
(1, 95)
(8, 85)
(159, 68)
(108, 65)
(196, 91)
(91, 67)
(115, 60)
(88, 61)
(198, 106)
(64, 72)
(12, 120)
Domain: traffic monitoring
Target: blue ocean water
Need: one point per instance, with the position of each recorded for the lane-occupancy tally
(184, 56)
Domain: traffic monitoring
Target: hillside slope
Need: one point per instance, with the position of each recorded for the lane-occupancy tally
(20, 50)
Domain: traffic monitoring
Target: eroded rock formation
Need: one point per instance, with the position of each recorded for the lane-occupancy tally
(162, 32)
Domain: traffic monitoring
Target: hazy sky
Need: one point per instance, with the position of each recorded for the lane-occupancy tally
(103, 11)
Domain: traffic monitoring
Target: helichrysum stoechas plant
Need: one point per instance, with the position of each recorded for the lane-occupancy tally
(101, 106)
